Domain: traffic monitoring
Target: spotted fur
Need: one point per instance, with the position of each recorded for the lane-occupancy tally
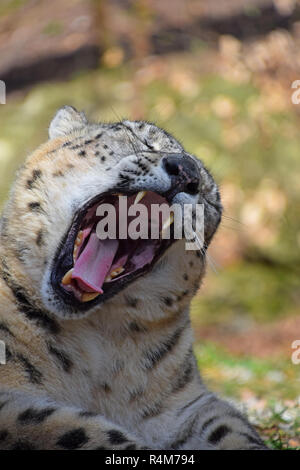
(123, 375)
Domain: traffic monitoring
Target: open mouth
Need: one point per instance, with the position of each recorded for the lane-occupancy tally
(89, 269)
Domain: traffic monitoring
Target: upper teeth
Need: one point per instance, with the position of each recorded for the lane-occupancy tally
(79, 237)
(139, 196)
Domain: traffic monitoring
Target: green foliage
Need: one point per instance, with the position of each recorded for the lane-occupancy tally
(250, 290)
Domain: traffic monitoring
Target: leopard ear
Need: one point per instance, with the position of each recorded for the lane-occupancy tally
(65, 121)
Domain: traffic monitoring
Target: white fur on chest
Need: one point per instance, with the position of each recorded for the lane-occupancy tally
(109, 378)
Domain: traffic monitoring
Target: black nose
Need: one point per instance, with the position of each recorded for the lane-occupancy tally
(184, 173)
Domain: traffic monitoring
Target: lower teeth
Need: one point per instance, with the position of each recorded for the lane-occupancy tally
(114, 274)
(66, 280)
(87, 296)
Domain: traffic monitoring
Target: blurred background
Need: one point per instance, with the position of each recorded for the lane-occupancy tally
(218, 75)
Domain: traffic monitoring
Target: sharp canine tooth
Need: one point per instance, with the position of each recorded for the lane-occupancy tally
(168, 222)
(87, 296)
(139, 196)
(66, 280)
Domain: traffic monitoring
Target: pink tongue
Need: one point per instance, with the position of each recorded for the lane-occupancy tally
(94, 263)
